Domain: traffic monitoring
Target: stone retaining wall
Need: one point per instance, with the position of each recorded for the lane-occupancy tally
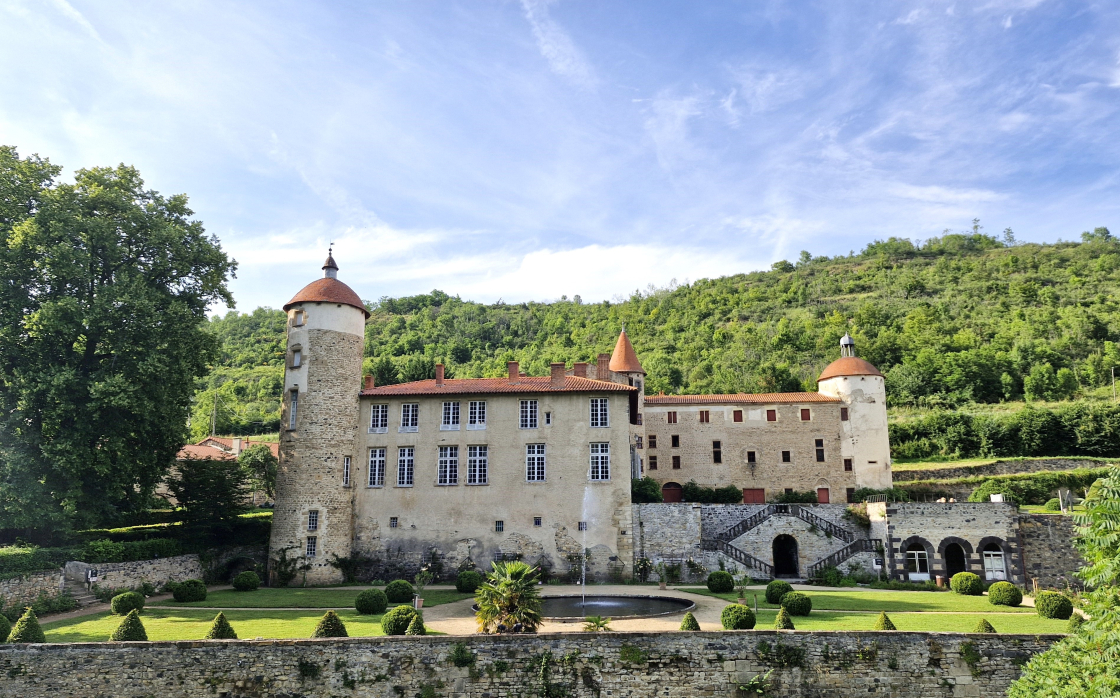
(130, 575)
(19, 591)
(1049, 557)
(669, 665)
(1000, 467)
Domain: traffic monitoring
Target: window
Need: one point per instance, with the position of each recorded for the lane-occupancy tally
(448, 466)
(528, 414)
(346, 471)
(676, 462)
(653, 441)
(675, 441)
(601, 461)
(819, 445)
(294, 403)
(376, 467)
(405, 465)
(450, 421)
(843, 414)
(705, 416)
(313, 520)
(499, 526)
(478, 465)
(393, 522)
(378, 419)
(312, 544)
(547, 418)
(653, 462)
(599, 415)
(671, 417)
(476, 415)
(737, 416)
(639, 417)
(851, 492)
(847, 465)
(410, 417)
(537, 521)
(785, 457)
(639, 441)
(297, 358)
(717, 452)
(994, 567)
(805, 414)
(534, 462)
(298, 318)
(771, 415)
(750, 457)
(582, 525)
(917, 562)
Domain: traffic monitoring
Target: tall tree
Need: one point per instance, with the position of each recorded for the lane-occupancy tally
(105, 286)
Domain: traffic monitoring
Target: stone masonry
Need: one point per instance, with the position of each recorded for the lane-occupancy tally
(1000, 467)
(130, 575)
(1049, 559)
(17, 591)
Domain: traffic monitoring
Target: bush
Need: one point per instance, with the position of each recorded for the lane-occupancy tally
(247, 581)
(468, 581)
(27, 629)
(416, 626)
(106, 550)
(689, 622)
(883, 622)
(371, 602)
(730, 494)
(645, 491)
(1004, 594)
(399, 591)
(19, 560)
(128, 601)
(396, 621)
(221, 629)
(190, 590)
(1052, 505)
(6, 628)
(966, 584)
(775, 590)
(1051, 604)
(720, 582)
(131, 629)
(984, 492)
(737, 617)
(808, 497)
(797, 604)
(830, 577)
(984, 627)
(330, 625)
(1074, 623)
(783, 621)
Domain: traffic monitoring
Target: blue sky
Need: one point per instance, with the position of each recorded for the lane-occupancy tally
(530, 149)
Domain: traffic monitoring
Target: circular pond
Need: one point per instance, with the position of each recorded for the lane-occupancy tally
(569, 609)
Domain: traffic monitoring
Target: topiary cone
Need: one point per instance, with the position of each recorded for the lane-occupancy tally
(884, 622)
(330, 625)
(984, 627)
(27, 629)
(783, 621)
(689, 622)
(221, 629)
(416, 627)
(131, 629)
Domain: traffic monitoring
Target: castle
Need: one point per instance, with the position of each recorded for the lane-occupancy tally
(540, 467)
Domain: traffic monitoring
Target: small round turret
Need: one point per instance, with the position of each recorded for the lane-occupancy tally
(861, 387)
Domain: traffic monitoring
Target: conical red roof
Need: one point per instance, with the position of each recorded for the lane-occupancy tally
(849, 366)
(625, 359)
(328, 290)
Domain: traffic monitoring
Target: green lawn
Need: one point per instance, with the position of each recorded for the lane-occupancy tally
(937, 622)
(298, 598)
(889, 601)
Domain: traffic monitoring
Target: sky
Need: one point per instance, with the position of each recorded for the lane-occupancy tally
(528, 149)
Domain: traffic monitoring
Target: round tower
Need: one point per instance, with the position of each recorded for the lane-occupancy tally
(860, 386)
(313, 518)
(625, 368)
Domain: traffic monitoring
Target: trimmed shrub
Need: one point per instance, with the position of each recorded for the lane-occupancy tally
(27, 629)
(131, 629)
(1051, 604)
(6, 627)
(190, 590)
(330, 625)
(1074, 623)
(883, 622)
(247, 581)
(966, 584)
(797, 604)
(984, 627)
(396, 621)
(689, 622)
(737, 617)
(371, 602)
(775, 590)
(1004, 594)
(128, 601)
(399, 591)
(783, 621)
(221, 629)
(416, 626)
(1052, 505)
(468, 581)
(720, 582)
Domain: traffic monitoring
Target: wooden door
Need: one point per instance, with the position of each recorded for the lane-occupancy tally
(754, 496)
(822, 495)
(671, 492)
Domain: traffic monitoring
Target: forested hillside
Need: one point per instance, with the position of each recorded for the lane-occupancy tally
(960, 319)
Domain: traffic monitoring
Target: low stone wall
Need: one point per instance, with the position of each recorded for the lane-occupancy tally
(669, 665)
(1000, 467)
(130, 575)
(666, 531)
(19, 591)
(1049, 558)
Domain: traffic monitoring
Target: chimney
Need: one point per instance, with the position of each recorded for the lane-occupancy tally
(513, 368)
(557, 374)
(579, 369)
(368, 382)
(602, 367)
(439, 374)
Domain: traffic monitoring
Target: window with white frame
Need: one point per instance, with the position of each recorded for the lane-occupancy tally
(313, 520)
(406, 463)
(450, 421)
(476, 414)
(994, 566)
(378, 419)
(600, 417)
(376, 467)
(478, 465)
(346, 471)
(600, 461)
(293, 408)
(448, 466)
(312, 545)
(528, 414)
(534, 462)
(410, 417)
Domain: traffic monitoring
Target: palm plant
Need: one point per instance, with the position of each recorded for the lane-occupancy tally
(596, 624)
(508, 596)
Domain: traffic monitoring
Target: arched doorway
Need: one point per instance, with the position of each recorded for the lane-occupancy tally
(672, 492)
(995, 568)
(785, 556)
(954, 559)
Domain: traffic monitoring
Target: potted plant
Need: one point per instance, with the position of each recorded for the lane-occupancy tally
(741, 588)
(661, 575)
(422, 579)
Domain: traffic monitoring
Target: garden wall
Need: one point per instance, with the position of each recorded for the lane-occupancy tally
(18, 591)
(1000, 467)
(669, 665)
(1048, 553)
(129, 575)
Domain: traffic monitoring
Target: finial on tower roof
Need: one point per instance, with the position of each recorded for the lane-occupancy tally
(330, 269)
(847, 345)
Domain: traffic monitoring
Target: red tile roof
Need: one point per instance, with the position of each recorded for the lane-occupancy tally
(738, 398)
(327, 290)
(224, 451)
(625, 359)
(849, 366)
(482, 386)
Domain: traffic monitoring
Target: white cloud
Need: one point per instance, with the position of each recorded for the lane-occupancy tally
(556, 46)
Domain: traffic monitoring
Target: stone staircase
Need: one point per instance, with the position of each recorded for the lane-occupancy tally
(78, 591)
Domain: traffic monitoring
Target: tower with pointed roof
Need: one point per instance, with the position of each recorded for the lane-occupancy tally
(313, 519)
(626, 368)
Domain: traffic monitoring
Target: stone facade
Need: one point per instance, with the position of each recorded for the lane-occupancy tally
(18, 591)
(131, 575)
(1049, 558)
(621, 665)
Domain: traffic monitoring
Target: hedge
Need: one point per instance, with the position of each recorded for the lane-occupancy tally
(1051, 604)
(122, 604)
(399, 591)
(371, 602)
(468, 581)
(190, 590)
(1026, 488)
(416, 626)
(396, 621)
(966, 584)
(720, 582)
(247, 581)
(776, 589)
(1004, 594)
(737, 617)
(797, 604)
(105, 550)
(16, 561)
(6, 628)
(691, 492)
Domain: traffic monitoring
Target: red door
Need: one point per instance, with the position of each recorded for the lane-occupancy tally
(822, 495)
(754, 496)
(671, 492)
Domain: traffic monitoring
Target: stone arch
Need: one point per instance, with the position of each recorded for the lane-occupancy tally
(672, 492)
(824, 491)
(955, 555)
(917, 555)
(989, 571)
(784, 550)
